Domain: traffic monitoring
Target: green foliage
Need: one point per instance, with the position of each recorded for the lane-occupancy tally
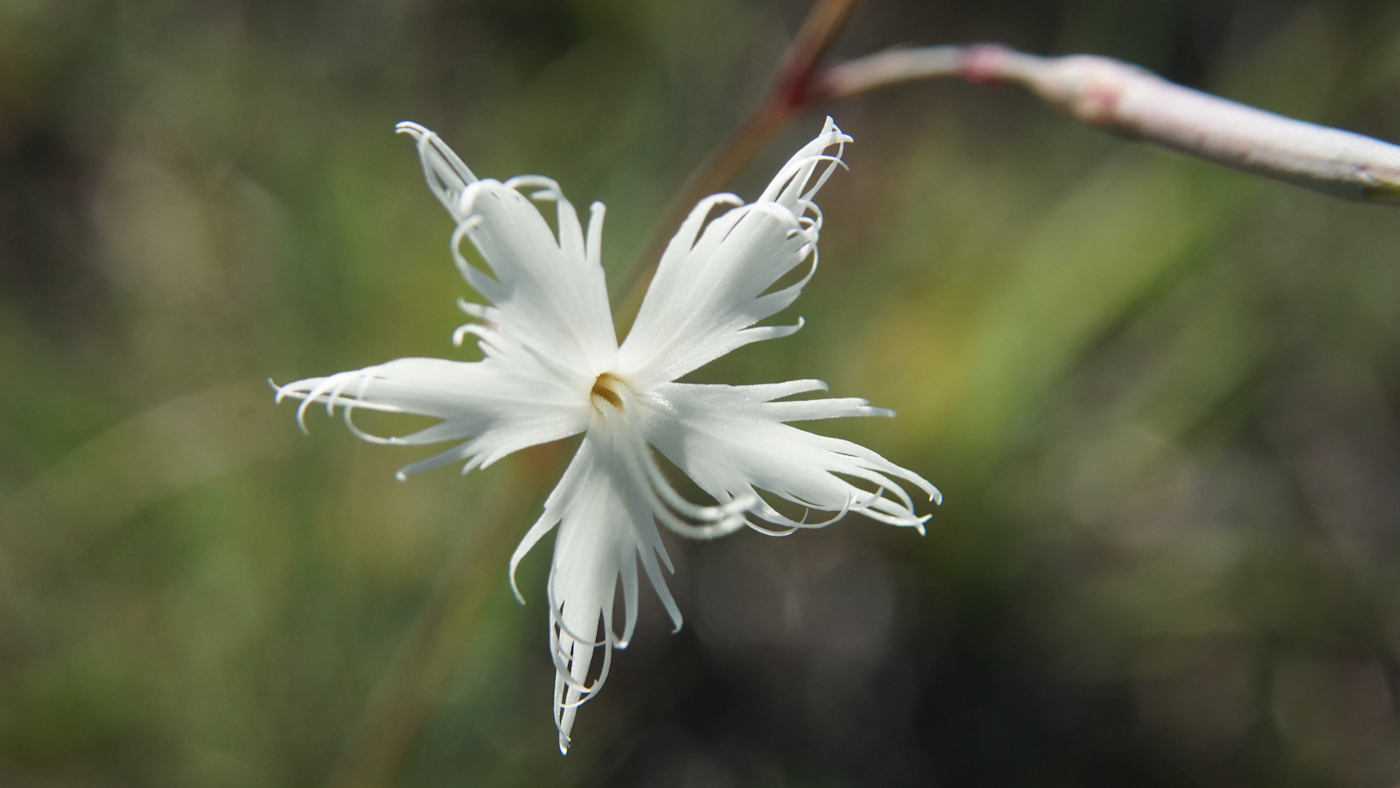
(1161, 400)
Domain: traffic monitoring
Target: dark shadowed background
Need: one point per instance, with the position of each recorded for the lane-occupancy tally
(1161, 399)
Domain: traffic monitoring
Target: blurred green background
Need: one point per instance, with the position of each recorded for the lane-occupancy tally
(1161, 399)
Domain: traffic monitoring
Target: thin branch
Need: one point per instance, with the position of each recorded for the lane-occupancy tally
(890, 67)
(1138, 104)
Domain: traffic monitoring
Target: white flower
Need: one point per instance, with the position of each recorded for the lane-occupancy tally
(553, 368)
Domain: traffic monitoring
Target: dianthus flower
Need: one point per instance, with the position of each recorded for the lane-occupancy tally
(553, 368)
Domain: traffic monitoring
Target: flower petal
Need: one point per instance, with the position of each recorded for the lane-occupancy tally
(502, 405)
(445, 172)
(547, 291)
(710, 286)
(732, 440)
(605, 524)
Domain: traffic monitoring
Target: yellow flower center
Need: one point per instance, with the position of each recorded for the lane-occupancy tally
(608, 388)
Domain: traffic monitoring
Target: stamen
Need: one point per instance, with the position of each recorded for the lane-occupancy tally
(608, 388)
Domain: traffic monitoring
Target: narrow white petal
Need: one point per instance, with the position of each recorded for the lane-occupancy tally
(732, 440)
(604, 527)
(547, 290)
(713, 280)
(501, 406)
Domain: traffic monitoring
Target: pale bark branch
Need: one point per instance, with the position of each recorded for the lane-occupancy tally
(1138, 104)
